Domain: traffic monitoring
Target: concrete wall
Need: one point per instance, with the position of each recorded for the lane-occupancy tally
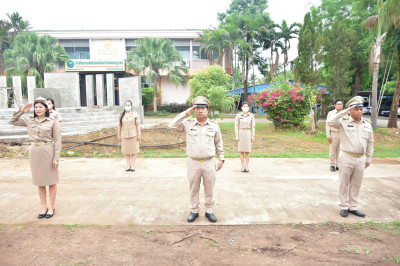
(131, 89)
(16, 80)
(100, 89)
(110, 89)
(31, 84)
(54, 93)
(89, 90)
(170, 93)
(3, 93)
(68, 84)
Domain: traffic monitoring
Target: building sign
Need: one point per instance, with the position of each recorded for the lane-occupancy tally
(105, 49)
(94, 65)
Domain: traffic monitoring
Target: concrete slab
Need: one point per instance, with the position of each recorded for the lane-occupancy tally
(276, 191)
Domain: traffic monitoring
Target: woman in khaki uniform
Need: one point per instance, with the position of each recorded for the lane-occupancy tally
(129, 134)
(44, 154)
(245, 127)
(52, 110)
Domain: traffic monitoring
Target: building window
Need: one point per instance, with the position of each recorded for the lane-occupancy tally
(77, 48)
(78, 52)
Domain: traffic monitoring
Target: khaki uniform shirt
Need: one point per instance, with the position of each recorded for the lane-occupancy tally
(245, 122)
(46, 131)
(56, 115)
(357, 138)
(201, 141)
(330, 128)
(129, 123)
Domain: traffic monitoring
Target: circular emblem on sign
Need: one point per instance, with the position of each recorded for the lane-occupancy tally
(70, 64)
(107, 44)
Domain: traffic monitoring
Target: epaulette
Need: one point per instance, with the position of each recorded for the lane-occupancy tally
(212, 120)
(369, 121)
(346, 118)
(31, 116)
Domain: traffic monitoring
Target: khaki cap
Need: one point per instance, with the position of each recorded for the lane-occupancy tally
(201, 101)
(358, 101)
(40, 100)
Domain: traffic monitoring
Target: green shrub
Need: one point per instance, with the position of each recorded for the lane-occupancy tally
(173, 107)
(147, 96)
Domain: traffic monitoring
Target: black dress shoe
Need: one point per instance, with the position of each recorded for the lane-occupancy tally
(357, 213)
(128, 169)
(333, 168)
(337, 168)
(192, 217)
(211, 217)
(49, 215)
(344, 213)
(132, 169)
(42, 215)
(243, 170)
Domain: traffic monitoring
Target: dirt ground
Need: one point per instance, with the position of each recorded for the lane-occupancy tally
(285, 244)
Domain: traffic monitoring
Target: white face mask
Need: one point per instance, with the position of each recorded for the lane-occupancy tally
(128, 108)
(245, 109)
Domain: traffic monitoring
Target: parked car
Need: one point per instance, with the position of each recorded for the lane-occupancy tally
(386, 113)
(367, 108)
(385, 109)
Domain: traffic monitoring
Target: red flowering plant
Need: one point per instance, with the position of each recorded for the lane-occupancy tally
(287, 105)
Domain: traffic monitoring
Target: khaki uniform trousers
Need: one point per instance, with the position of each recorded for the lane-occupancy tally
(351, 172)
(196, 170)
(334, 148)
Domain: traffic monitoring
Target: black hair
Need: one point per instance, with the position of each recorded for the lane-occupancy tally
(123, 113)
(338, 100)
(243, 103)
(52, 101)
(46, 114)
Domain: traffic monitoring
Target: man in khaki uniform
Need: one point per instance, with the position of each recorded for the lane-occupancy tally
(332, 133)
(203, 140)
(356, 148)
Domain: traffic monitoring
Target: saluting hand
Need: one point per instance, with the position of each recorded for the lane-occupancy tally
(26, 108)
(55, 165)
(190, 110)
(350, 109)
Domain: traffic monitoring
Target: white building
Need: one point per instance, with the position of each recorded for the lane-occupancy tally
(105, 51)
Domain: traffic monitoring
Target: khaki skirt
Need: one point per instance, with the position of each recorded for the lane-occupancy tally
(244, 144)
(41, 161)
(130, 146)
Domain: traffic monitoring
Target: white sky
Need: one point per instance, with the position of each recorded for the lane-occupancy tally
(141, 14)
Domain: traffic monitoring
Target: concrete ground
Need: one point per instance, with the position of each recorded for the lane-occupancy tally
(275, 191)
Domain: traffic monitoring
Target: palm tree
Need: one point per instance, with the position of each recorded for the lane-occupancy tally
(215, 42)
(287, 33)
(154, 55)
(34, 55)
(388, 16)
(17, 24)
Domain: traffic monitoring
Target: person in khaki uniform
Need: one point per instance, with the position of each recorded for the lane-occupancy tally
(129, 134)
(332, 133)
(44, 153)
(203, 140)
(356, 148)
(245, 128)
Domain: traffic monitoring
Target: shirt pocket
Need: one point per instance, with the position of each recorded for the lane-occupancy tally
(365, 132)
(193, 136)
(210, 136)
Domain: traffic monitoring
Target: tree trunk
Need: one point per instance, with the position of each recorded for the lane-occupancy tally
(392, 122)
(246, 77)
(271, 68)
(374, 111)
(338, 81)
(357, 83)
(155, 95)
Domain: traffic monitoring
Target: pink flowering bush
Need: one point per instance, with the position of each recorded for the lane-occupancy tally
(287, 105)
